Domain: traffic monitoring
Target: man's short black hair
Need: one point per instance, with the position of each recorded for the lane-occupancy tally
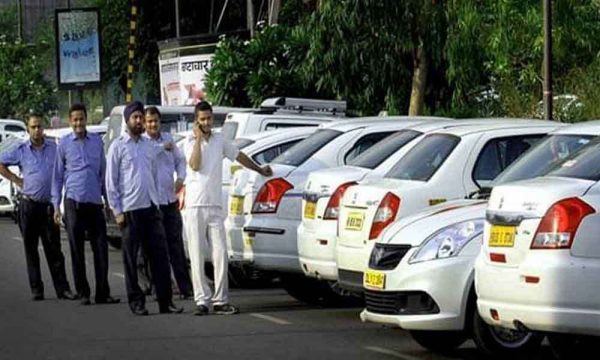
(78, 107)
(32, 115)
(203, 106)
(152, 110)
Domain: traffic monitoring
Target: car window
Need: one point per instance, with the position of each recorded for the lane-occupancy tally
(498, 153)
(304, 149)
(582, 164)
(364, 143)
(266, 156)
(279, 125)
(423, 160)
(170, 123)
(13, 128)
(542, 157)
(229, 129)
(379, 152)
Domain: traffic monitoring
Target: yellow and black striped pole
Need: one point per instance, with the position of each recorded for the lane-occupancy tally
(131, 48)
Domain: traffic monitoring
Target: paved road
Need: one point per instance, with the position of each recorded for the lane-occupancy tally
(272, 325)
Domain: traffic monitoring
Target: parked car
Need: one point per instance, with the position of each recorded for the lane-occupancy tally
(272, 207)
(7, 188)
(540, 259)
(421, 270)
(281, 113)
(445, 165)
(10, 127)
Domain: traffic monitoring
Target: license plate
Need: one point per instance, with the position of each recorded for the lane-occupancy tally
(374, 279)
(236, 205)
(248, 240)
(355, 221)
(310, 209)
(502, 236)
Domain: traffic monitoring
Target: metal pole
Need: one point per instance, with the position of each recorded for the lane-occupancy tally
(19, 20)
(210, 22)
(177, 19)
(548, 59)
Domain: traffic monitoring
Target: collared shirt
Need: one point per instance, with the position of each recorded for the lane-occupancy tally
(203, 187)
(35, 165)
(131, 174)
(168, 162)
(80, 166)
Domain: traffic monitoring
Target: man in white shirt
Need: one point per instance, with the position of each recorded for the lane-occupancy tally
(202, 216)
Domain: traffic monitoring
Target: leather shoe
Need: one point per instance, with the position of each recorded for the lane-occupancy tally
(139, 311)
(67, 295)
(108, 300)
(170, 309)
(37, 297)
(84, 300)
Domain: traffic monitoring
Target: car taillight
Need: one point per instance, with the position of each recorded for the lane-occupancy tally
(559, 225)
(333, 206)
(385, 214)
(270, 194)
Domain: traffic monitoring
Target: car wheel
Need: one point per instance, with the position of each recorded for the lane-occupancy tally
(442, 342)
(571, 346)
(245, 276)
(501, 342)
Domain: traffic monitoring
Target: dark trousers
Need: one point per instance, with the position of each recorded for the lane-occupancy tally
(173, 228)
(36, 221)
(144, 228)
(79, 218)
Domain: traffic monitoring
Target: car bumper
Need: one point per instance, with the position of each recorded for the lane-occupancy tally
(239, 248)
(564, 298)
(354, 262)
(316, 249)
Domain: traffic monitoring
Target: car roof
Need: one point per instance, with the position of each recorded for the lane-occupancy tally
(276, 133)
(12, 121)
(184, 109)
(58, 132)
(591, 127)
(498, 124)
(356, 123)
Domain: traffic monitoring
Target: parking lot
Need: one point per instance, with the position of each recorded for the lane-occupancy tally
(272, 325)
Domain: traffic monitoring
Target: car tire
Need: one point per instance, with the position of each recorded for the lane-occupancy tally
(566, 346)
(245, 276)
(442, 342)
(503, 343)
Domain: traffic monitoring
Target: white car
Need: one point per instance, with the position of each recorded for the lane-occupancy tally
(431, 255)
(445, 165)
(270, 209)
(7, 188)
(539, 268)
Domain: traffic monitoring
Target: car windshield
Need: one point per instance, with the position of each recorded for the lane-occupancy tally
(542, 157)
(10, 143)
(423, 160)
(303, 150)
(242, 143)
(229, 129)
(583, 164)
(379, 152)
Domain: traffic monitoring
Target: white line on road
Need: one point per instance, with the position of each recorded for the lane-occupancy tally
(385, 351)
(271, 318)
(119, 275)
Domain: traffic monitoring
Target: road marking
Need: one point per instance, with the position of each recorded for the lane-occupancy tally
(271, 319)
(385, 351)
(119, 275)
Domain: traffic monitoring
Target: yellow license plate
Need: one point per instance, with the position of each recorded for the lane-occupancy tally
(374, 279)
(236, 205)
(248, 240)
(310, 209)
(502, 236)
(355, 220)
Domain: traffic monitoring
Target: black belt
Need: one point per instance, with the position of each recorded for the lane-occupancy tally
(29, 198)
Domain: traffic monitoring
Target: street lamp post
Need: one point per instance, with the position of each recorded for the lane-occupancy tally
(548, 59)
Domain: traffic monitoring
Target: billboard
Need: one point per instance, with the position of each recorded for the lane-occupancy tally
(78, 47)
(182, 78)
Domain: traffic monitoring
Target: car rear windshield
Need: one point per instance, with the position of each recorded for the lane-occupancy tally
(423, 160)
(583, 164)
(303, 150)
(241, 143)
(229, 129)
(379, 152)
(542, 157)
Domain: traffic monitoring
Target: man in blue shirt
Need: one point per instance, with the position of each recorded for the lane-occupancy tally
(79, 168)
(168, 163)
(133, 197)
(35, 158)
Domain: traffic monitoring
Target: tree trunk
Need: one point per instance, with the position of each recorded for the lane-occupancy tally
(250, 17)
(419, 81)
(274, 8)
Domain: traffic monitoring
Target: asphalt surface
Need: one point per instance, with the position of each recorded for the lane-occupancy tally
(271, 325)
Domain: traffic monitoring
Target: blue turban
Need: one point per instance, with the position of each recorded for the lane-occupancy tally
(131, 108)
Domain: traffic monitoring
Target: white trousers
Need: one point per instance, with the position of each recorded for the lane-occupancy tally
(205, 234)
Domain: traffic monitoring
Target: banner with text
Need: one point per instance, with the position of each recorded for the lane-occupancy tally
(182, 78)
